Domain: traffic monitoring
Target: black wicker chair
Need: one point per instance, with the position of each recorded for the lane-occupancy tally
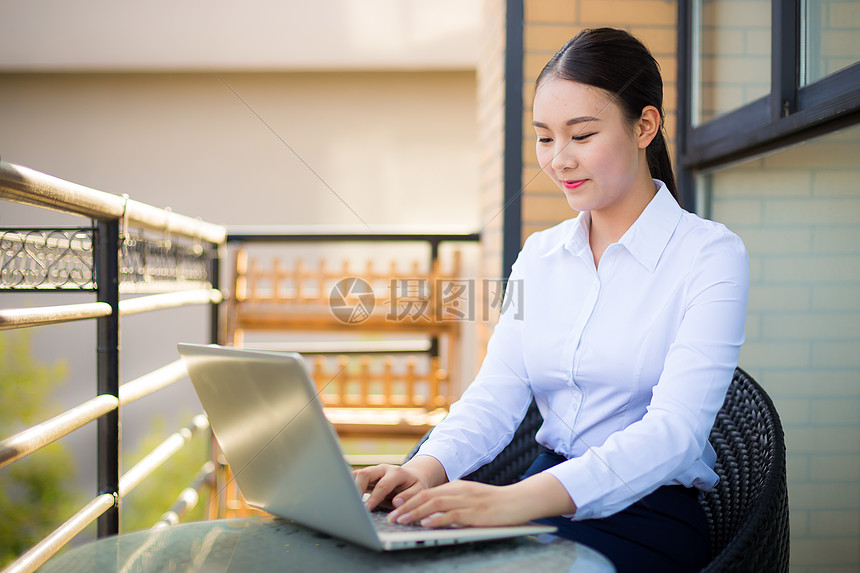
(748, 510)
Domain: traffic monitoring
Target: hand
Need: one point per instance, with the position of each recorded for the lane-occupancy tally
(396, 484)
(462, 503)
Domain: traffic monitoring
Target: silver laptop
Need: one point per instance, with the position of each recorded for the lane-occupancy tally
(264, 411)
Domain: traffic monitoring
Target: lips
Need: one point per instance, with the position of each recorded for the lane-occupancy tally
(572, 183)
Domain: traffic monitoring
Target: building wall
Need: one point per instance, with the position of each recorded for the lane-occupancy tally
(254, 35)
(798, 212)
(548, 25)
(267, 148)
(491, 126)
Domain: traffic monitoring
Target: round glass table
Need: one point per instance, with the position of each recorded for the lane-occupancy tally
(274, 544)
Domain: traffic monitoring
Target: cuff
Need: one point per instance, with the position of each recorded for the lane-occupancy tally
(445, 455)
(579, 482)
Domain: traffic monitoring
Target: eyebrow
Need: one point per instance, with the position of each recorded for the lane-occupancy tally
(572, 121)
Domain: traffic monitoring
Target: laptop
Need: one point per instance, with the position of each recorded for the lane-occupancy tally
(264, 411)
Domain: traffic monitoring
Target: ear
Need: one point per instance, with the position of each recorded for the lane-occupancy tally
(648, 126)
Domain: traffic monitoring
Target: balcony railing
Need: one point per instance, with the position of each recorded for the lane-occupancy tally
(129, 247)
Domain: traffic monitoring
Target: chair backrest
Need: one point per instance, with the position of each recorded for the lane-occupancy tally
(748, 510)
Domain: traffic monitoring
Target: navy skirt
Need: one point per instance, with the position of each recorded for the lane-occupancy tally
(665, 532)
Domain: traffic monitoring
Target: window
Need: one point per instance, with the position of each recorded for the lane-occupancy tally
(733, 53)
(829, 38)
(738, 99)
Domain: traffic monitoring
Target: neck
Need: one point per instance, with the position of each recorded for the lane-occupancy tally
(609, 225)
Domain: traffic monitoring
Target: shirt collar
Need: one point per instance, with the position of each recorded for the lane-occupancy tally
(646, 239)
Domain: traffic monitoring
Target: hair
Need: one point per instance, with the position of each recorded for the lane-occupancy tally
(622, 66)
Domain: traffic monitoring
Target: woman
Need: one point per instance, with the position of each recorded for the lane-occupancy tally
(632, 321)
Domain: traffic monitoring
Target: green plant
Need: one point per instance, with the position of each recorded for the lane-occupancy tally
(146, 503)
(36, 493)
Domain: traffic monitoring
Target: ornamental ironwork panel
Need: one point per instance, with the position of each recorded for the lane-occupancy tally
(47, 259)
(34, 259)
(148, 264)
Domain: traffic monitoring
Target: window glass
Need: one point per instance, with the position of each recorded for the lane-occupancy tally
(732, 57)
(830, 38)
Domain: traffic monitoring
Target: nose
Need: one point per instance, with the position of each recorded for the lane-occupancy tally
(563, 156)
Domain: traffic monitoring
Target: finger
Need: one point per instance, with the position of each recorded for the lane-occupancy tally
(425, 504)
(403, 496)
(367, 476)
(453, 518)
(392, 482)
(458, 503)
(409, 503)
(421, 496)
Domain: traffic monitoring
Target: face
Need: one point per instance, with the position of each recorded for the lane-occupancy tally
(585, 145)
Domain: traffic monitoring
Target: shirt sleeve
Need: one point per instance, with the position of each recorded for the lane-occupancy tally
(669, 443)
(483, 421)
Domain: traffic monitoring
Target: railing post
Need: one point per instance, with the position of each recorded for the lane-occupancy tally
(107, 280)
(215, 281)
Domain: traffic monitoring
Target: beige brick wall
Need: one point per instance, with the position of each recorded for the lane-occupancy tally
(798, 211)
(548, 25)
(491, 125)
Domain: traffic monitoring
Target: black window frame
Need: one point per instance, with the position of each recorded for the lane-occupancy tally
(788, 114)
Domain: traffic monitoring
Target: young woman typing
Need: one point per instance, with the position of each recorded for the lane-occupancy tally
(632, 321)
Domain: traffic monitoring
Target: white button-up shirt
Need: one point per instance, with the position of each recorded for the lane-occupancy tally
(629, 362)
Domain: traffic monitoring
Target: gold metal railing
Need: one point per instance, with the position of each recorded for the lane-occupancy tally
(113, 218)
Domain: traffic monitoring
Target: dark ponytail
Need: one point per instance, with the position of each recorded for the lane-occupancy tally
(621, 65)
(659, 163)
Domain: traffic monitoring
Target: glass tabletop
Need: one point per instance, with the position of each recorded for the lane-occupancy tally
(269, 543)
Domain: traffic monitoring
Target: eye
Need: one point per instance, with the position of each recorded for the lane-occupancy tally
(544, 140)
(582, 137)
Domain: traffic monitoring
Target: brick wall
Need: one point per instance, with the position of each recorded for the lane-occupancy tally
(798, 211)
(491, 125)
(548, 25)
